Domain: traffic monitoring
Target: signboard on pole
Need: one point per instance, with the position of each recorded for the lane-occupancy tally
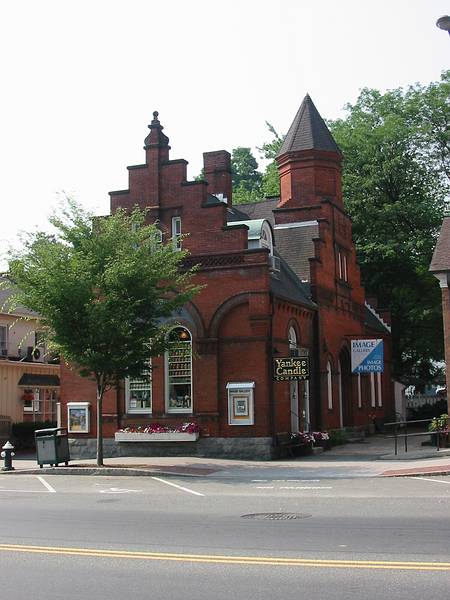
(367, 356)
(291, 368)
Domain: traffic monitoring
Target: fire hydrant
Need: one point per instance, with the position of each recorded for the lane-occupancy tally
(7, 454)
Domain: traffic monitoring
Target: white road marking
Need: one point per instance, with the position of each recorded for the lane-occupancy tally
(115, 490)
(431, 479)
(179, 487)
(305, 487)
(25, 491)
(265, 487)
(46, 484)
(259, 480)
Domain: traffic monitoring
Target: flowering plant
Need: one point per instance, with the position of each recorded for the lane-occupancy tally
(320, 436)
(303, 437)
(157, 428)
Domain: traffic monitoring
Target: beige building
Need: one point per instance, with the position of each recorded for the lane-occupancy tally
(29, 377)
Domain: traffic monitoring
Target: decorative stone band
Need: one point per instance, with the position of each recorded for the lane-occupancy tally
(174, 436)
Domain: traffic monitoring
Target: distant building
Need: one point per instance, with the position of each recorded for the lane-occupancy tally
(281, 280)
(29, 379)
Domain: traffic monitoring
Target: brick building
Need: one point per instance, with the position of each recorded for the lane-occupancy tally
(280, 279)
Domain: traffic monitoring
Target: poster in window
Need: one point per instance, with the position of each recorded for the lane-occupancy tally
(78, 417)
(240, 403)
(240, 406)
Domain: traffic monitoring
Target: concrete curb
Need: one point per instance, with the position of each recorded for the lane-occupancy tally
(105, 472)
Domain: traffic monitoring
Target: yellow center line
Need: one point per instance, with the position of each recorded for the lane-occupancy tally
(239, 560)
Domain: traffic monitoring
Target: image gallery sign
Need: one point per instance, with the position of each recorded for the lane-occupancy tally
(367, 356)
(292, 368)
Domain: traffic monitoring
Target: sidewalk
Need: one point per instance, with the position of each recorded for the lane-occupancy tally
(372, 457)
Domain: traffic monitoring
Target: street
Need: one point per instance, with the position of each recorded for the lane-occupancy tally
(177, 537)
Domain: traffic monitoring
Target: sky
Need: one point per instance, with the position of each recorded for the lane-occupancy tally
(80, 81)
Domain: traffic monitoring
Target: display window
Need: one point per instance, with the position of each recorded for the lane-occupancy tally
(179, 371)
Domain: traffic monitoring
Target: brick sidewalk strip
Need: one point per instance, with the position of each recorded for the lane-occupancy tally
(412, 471)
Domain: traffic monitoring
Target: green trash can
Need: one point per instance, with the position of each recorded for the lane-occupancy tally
(52, 446)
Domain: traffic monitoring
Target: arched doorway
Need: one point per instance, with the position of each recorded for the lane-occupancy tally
(345, 388)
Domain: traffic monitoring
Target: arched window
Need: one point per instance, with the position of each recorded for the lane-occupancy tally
(293, 348)
(266, 239)
(179, 371)
(329, 386)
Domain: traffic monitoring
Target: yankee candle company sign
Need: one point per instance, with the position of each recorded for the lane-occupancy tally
(367, 356)
(290, 368)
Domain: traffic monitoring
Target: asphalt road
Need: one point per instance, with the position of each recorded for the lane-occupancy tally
(67, 537)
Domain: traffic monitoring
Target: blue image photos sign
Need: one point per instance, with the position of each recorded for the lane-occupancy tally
(367, 356)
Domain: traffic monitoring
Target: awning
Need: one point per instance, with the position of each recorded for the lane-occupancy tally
(38, 380)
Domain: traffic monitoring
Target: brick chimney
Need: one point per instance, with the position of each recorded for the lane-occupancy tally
(217, 172)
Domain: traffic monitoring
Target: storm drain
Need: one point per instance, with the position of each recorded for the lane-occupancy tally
(275, 516)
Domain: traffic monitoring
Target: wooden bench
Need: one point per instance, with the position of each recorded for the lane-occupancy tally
(285, 441)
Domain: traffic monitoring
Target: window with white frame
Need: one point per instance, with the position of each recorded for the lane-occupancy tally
(379, 388)
(32, 400)
(329, 386)
(179, 371)
(266, 238)
(138, 392)
(372, 390)
(241, 403)
(3, 340)
(293, 347)
(176, 233)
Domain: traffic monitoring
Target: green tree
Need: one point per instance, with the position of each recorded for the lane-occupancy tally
(102, 287)
(395, 181)
(269, 150)
(245, 176)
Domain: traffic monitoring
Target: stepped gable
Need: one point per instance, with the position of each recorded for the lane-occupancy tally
(308, 131)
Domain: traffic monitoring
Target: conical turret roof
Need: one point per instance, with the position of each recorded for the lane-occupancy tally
(308, 131)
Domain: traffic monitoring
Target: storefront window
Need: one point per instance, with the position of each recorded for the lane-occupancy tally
(179, 371)
(138, 392)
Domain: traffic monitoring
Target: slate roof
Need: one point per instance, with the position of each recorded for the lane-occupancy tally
(308, 131)
(289, 287)
(254, 210)
(296, 246)
(441, 256)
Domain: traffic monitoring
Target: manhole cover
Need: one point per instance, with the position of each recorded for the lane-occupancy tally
(276, 516)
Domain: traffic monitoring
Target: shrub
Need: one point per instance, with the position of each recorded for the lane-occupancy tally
(338, 437)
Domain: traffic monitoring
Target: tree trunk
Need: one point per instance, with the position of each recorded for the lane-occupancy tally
(100, 392)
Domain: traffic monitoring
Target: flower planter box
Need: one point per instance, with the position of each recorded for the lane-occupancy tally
(173, 436)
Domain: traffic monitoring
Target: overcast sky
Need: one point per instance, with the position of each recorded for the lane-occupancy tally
(80, 80)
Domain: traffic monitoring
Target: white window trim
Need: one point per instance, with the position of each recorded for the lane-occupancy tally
(4, 345)
(380, 394)
(372, 390)
(246, 389)
(177, 410)
(134, 411)
(330, 386)
(176, 233)
(80, 405)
